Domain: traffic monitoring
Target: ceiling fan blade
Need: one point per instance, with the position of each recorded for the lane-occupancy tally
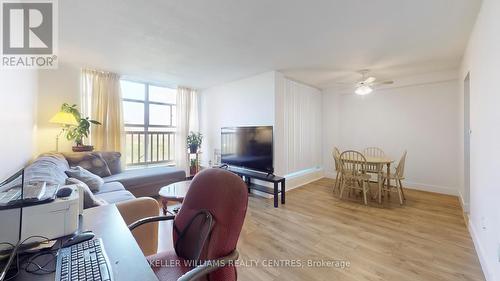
(369, 80)
(384, 83)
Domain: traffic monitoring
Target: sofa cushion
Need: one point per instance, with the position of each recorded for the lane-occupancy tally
(116, 196)
(154, 177)
(113, 159)
(89, 199)
(90, 161)
(110, 187)
(48, 167)
(94, 182)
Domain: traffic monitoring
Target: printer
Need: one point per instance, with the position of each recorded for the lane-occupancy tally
(51, 220)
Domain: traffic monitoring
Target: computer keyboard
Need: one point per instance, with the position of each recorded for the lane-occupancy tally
(83, 261)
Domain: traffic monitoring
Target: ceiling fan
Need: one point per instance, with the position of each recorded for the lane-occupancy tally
(366, 85)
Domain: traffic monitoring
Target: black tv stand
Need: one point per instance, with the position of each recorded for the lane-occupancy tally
(248, 175)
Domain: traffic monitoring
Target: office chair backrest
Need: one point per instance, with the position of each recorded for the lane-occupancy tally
(215, 205)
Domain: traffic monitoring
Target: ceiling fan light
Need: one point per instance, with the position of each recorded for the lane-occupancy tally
(363, 90)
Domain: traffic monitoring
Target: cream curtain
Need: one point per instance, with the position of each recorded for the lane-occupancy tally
(187, 121)
(101, 100)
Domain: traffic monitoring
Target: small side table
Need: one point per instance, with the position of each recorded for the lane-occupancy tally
(193, 170)
(173, 192)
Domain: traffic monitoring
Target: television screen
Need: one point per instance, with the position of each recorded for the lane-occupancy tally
(248, 147)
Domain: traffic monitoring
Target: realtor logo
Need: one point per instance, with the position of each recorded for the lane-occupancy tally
(29, 33)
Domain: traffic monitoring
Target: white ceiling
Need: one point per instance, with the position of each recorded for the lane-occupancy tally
(209, 42)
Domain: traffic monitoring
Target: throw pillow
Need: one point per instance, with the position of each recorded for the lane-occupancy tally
(94, 182)
(113, 160)
(92, 162)
(89, 199)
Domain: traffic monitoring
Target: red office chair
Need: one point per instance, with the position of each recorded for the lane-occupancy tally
(206, 230)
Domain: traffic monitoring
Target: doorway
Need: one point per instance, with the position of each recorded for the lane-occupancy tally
(467, 136)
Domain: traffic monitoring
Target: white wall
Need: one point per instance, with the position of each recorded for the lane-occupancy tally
(55, 88)
(418, 117)
(246, 102)
(482, 60)
(17, 119)
(262, 100)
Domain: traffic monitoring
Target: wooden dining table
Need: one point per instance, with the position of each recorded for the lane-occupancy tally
(378, 162)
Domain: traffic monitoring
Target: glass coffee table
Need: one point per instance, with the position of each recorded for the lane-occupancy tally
(173, 192)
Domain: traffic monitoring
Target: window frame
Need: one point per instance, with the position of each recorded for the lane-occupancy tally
(146, 102)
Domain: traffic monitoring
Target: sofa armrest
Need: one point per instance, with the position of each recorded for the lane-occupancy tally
(137, 209)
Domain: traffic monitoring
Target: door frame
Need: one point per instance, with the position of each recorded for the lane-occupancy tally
(467, 138)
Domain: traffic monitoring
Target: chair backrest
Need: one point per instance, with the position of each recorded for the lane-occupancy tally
(336, 156)
(400, 169)
(352, 163)
(374, 152)
(215, 202)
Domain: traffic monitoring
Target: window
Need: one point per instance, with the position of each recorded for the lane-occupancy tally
(149, 117)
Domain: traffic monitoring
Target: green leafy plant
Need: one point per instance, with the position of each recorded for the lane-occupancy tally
(78, 133)
(193, 163)
(194, 141)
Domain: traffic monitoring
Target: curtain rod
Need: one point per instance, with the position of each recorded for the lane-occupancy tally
(98, 71)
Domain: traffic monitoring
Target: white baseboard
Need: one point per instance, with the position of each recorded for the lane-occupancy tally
(330, 174)
(430, 188)
(295, 180)
(465, 206)
(480, 252)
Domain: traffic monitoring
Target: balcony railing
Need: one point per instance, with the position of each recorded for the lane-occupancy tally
(159, 149)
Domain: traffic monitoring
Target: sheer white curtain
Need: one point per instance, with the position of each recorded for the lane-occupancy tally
(187, 121)
(101, 101)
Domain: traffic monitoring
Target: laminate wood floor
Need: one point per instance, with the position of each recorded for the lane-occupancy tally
(426, 239)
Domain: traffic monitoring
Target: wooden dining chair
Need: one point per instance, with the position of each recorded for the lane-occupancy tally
(397, 176)
(338, 177)
(353, 167)
(373, 152)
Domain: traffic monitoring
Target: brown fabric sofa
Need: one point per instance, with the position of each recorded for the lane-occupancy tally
(118, 185)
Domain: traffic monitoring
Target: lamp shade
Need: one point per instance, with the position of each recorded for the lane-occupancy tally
(64, 118)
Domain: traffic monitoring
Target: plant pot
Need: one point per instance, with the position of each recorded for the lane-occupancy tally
(193, 149)
(83, 148)
(192, 170)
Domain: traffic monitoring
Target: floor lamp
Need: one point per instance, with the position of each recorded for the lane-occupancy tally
(64, 119)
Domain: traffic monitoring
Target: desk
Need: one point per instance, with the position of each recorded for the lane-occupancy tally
(126, 258)
(379, 162)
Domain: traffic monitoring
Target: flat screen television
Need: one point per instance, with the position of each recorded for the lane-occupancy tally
(248, 147)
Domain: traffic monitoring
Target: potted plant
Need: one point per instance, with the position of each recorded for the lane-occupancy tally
(81, 131)
(194, 141)
(193, 167)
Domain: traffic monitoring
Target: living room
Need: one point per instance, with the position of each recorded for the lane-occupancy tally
(376, 120)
